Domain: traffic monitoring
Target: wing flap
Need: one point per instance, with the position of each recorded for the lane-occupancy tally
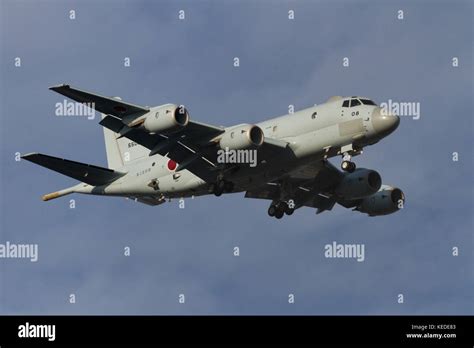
(112, 123)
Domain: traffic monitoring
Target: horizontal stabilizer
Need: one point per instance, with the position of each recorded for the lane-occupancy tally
(87, 173)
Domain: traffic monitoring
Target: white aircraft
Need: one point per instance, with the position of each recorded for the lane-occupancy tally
(158, 153)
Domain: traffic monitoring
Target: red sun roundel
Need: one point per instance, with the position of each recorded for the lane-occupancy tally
(171, 165)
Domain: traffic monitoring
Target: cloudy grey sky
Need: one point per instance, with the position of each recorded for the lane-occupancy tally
(283, 62)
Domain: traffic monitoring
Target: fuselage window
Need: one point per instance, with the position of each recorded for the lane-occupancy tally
(274, 128)
(354, 102)
(313, 116)
(345, 104)
(367, 102)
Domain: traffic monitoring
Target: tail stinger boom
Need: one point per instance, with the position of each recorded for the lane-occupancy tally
(79, 188)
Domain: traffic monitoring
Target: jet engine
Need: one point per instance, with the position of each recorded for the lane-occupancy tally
(359, 184)
(242, 137)
(386, 201)
(167, 117)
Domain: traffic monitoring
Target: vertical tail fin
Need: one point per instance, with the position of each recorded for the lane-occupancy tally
(121, 151)
(114, 156)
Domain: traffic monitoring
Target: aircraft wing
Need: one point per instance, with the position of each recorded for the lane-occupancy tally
(121, 110)
(106, 105)
(311, 187)
(193, 147)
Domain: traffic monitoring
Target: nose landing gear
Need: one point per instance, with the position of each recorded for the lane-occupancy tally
(346, 164)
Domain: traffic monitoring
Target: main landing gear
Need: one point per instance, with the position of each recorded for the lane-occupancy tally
(280, 208)
(220, 187)
(346, 164)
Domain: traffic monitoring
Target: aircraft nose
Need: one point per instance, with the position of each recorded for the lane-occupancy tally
(384, 122)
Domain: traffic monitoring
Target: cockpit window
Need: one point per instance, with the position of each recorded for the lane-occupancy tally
(355, 102)
(367, 102)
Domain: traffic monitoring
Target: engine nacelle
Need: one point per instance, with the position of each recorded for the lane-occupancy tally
(359, 184)
(242, 137)
(166, 117)
(386, 201)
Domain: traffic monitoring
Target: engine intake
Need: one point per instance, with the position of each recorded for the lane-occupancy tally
(242, 137)
(166, 118)
(359, 184)
(386, 201)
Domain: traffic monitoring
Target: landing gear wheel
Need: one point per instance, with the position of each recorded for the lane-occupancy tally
(348, 166)
(279, 209)
(279, 213)
(272, 210)
(219, 188)
(345, 165)
(352, 167)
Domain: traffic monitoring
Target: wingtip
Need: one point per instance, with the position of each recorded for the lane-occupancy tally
(26, 156)
(64, 85)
